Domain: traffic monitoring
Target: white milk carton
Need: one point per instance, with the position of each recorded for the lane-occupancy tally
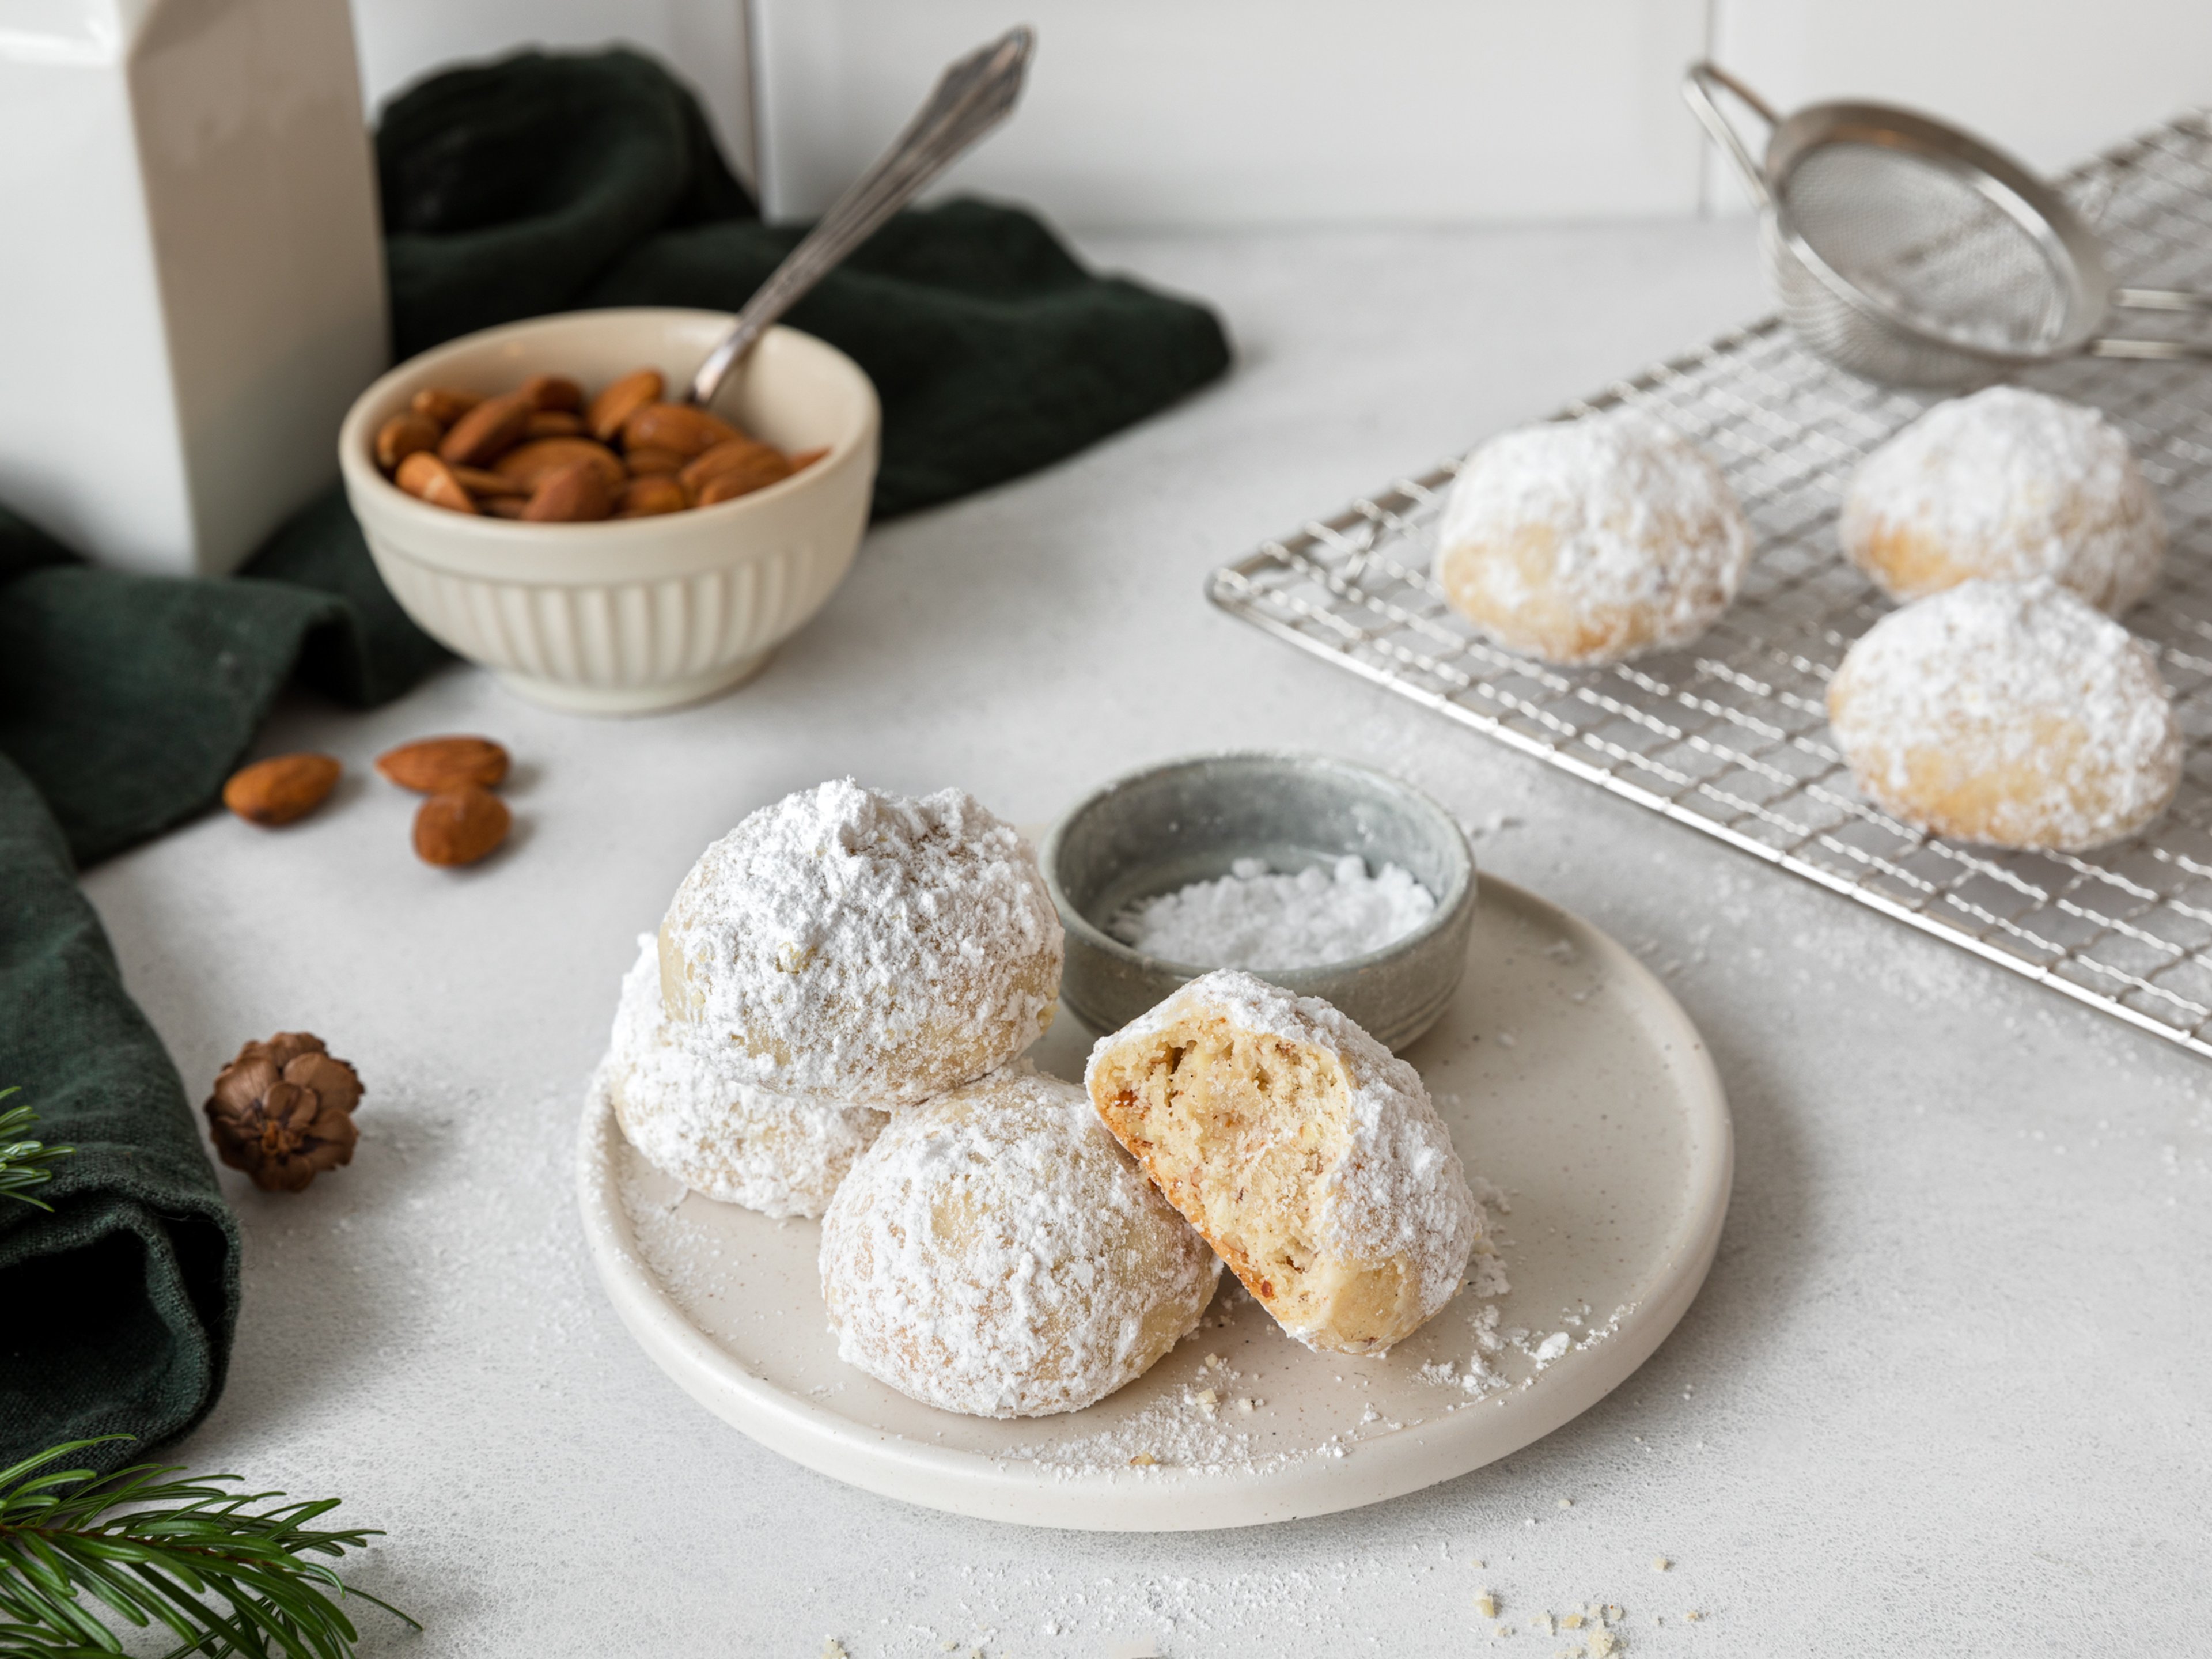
(192, 291)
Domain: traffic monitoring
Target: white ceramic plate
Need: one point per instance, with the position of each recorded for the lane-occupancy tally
(1570, 1078)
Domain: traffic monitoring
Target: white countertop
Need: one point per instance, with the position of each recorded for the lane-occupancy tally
(1946, 1388)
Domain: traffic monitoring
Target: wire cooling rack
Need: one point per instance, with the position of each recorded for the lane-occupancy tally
(1731, 735)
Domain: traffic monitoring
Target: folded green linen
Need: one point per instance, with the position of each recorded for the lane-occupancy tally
(555, 183)
(533, 185)
(119, 1303)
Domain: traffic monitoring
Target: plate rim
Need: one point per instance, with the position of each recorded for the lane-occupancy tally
(1169, 1497)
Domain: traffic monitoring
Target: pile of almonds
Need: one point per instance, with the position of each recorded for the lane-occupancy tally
(460, 822)
(541, 455)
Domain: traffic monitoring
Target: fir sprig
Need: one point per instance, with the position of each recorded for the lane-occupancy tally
(151, 1550)
(24, 1162)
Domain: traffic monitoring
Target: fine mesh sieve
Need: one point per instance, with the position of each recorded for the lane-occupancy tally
(1909, 253)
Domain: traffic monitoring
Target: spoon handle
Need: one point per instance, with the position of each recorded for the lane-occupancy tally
(971, 97)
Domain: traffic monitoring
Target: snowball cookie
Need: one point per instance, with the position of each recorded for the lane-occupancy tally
(995, 1253)
(1590, 541)
(690, 1116)
(1306, 1153)
(2011, 714)
(851, 945)
(2007, 483)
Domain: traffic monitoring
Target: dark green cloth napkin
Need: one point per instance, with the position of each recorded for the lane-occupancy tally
(534, 185)
(116, 1309)
(558, 184)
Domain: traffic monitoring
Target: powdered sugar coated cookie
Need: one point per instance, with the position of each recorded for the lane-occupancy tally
(1591, 541)
(995, 1253)
(2011, 714)
(863, 947)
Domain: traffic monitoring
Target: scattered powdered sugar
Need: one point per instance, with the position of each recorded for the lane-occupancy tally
(2010, 483)
(2046, 716)
(1251, 917)
(692, 1114)
(1597, 538)
(865, 947)
(1397, 1190)
(996, 1252)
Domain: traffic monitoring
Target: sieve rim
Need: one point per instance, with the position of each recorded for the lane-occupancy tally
(2072, 250)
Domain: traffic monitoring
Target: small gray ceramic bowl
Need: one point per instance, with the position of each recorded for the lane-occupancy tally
(1161, 828)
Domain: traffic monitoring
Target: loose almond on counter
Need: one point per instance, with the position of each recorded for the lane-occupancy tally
(460, 826)
(404, 435)
(618, 402)
(281, 789)
(429, 765)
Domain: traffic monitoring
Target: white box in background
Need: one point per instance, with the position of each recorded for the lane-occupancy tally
(194, 290)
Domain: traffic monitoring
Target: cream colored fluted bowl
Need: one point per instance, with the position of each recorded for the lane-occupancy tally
(628, 616)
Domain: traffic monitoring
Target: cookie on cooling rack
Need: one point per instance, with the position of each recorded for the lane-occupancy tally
(2011, 714)
(2007, 483)
(1306, 1153)
(863, 948)
(995, 1253)
(1591, 541)
(691, 1115)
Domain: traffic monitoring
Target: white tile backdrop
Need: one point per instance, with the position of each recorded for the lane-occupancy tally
(1213, 112)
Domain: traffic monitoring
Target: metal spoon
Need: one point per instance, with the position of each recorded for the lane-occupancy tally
(972, 96)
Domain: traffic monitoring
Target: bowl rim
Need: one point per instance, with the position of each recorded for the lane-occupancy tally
(358, 468)
(1459, 898)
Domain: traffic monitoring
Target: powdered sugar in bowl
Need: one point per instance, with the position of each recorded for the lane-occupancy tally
(1209, 862)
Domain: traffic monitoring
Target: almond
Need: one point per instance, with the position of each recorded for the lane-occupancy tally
(505, 506)
(460, 826)
(424, 475)
(622, 399)
(806, 458)
(571, 496)
(553, 424)
(735, 467)
(445, 405)
(526, 466)
(679, 427)
(644, 463)
(429, 765)
(477, 481)
(281, 789)
(553, 392)
(493, 427)
(404, 435)
(647, 497)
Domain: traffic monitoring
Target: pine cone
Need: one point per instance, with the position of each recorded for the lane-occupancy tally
(283, 1111)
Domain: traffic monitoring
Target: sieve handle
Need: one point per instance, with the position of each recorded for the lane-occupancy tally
(2148, 351)
(1698, 88)
(2155, 351)
(2160, 299)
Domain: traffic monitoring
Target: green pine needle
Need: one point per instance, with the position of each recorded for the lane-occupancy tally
(77, 1548)
(24, 1164)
